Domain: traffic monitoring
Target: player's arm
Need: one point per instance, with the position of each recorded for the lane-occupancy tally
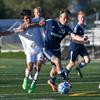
(42, 23)
(34, 24)
(38, 24)
(30, 25)
(13, 31)
(78, 39)
(5, 33)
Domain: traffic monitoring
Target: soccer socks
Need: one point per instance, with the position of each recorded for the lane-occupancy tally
(25, 84)
(67, 71)
(62, 74)
(52, 79)
(27, 73)
(35, 78)
(32, 87)
(81, 65)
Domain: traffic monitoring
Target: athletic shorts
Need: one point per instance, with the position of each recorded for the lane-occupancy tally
(80, 51)
(51, 54)
(34, 57)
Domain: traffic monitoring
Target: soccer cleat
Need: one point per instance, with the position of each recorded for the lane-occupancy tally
(25, 84)
(54, 87)
(32, 88)
(79, 72)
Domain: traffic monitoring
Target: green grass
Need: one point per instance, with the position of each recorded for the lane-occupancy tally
(12, 74)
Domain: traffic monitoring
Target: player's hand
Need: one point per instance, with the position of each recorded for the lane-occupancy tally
(22, 27)
(42, 23)
(86, 37)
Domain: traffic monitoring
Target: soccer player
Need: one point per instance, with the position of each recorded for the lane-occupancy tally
(56, 30)
(37, 30)
(78, 49)
(32, 42)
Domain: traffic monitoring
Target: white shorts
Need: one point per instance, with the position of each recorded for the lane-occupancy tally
(34, 57)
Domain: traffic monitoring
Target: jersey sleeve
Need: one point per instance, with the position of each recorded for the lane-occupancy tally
(76, 29)
(69, 30)
(48, 25)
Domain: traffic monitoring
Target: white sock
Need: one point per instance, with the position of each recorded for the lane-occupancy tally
(36, 75)
(27, 73)
(35, 78)
(68, 68)
(33, 82)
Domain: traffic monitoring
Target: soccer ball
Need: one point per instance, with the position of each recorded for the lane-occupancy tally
(64, 88)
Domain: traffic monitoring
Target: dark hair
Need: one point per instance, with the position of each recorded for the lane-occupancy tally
(64, 11)
(25, 12)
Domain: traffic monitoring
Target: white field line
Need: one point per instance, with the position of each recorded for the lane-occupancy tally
(47, 74)
(48, 93)
(1, 86)
(7, 94)
(46, 77)
(43, 74)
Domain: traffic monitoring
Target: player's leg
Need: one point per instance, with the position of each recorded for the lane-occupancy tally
(84, 62)
(39, 59)
(28, 71)
(52, 80)
(59, 68)
(72, 59)
(54, 57)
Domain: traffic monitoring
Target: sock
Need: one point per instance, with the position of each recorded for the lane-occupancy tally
(67, 71)
(27, 73)
(52, 79)
(62, 74)
(81, 65)
(33, 82)
(36, 76)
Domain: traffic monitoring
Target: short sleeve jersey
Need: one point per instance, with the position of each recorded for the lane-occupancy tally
(54, 33)
(78, 30)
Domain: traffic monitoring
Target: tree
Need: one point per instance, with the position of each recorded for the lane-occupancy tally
(2, 9)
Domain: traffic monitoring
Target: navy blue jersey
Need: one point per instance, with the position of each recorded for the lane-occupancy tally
(55, 32)
(78, 30)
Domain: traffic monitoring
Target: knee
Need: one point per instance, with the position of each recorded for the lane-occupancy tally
(57, 62)
(72, 63)
(87, 60)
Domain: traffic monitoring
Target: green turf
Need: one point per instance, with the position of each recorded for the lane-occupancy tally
(12, 74)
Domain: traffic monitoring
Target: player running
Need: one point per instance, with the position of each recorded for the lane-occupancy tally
(78, 49)
(32, 42)
(39, 31)
(56, 30)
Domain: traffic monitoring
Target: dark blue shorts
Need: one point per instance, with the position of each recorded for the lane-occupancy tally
(80, 51)
(51, 53)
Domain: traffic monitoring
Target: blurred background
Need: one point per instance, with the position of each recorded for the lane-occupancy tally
(10, 17)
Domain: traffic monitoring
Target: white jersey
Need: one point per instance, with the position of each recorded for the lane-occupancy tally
(32, 42)
(38, 30)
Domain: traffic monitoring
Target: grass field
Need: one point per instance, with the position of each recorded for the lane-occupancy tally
(12, 74)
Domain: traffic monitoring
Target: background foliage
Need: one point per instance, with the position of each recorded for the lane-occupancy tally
(50, 8)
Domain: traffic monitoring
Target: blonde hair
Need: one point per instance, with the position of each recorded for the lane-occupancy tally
(37, 8)
(81, 13)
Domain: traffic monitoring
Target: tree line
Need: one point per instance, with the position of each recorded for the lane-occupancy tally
(50, 8)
